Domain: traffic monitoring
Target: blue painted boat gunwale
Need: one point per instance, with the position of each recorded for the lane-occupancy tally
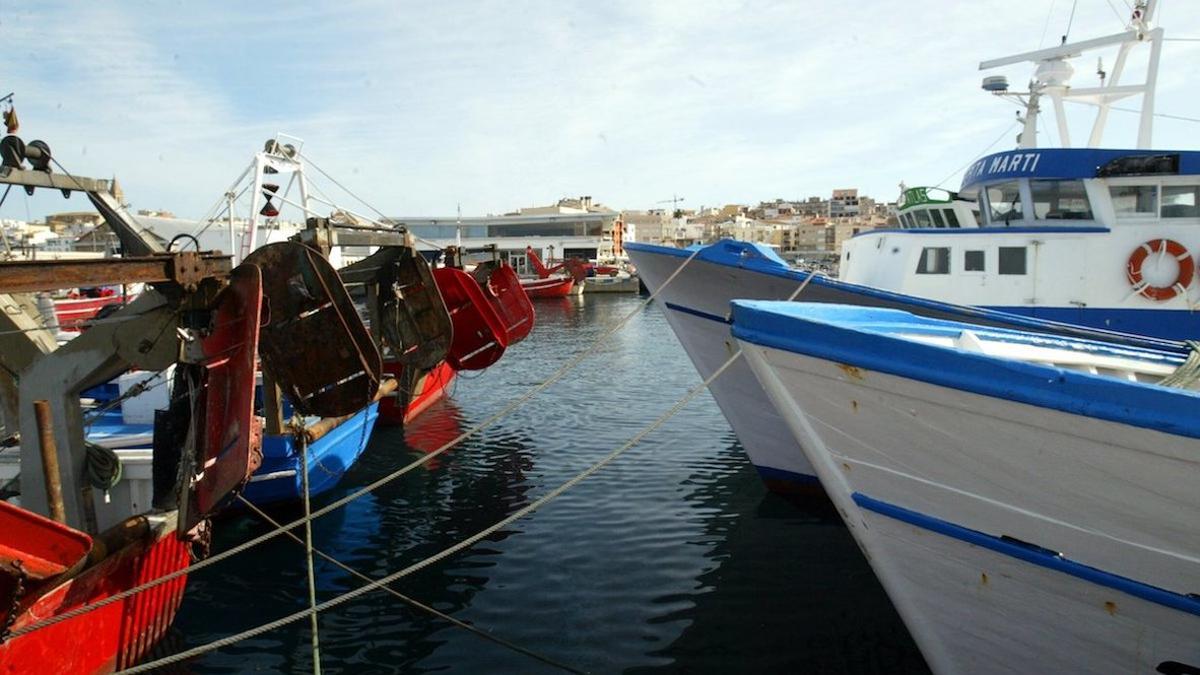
(1061, 164)
(843, 334)
(763, 260)
(1133, 587)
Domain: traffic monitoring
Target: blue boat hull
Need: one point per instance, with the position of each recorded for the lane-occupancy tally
(329, 457)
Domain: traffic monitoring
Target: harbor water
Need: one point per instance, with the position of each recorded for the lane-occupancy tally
(672, 559)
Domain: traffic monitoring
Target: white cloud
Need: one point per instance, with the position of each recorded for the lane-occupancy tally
(498, 105)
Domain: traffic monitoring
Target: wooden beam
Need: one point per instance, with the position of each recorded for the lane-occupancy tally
(42, 275)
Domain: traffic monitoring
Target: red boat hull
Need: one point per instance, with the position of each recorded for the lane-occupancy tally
(112, 637)
(552, 287)
(429, 389)
(73, 312)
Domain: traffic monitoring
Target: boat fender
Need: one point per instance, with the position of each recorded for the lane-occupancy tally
(1187, 267)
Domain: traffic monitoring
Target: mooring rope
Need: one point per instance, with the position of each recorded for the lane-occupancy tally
(451, 550)
(212, 560)
(308, 553)
(475, 630)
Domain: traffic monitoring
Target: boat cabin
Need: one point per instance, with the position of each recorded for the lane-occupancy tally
(1062, 233)
(926, 207)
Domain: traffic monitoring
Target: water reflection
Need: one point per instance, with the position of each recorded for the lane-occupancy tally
(787, 590)
(671, 559)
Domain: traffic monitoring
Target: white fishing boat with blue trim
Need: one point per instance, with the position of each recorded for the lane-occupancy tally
(1087, 235)
(696, 306)
(1028, 500)
(1086, 253)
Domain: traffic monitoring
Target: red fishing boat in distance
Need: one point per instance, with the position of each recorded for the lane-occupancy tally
(550, 287)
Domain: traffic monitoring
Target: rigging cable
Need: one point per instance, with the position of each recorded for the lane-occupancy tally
(1070, 21)
(486, 532)
(985, 151)
(601, 341)
(444, 553)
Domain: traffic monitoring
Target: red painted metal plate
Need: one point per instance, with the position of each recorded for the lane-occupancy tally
(480, 337)
(43, 547)
(231, 440)
(503, 289)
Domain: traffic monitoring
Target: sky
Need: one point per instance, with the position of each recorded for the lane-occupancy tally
(420, 108)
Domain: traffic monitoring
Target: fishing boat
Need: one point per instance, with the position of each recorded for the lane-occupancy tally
(69, 540)
(875, 272)
(1087, 235)
(696, 306)
(590, 277)
(78, 308)
(550, 287)
(1026, 499)
(556, 281)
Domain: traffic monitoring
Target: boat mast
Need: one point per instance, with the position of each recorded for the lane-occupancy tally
(1054, 73)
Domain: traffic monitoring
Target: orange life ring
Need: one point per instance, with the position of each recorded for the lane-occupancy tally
(1187, 267)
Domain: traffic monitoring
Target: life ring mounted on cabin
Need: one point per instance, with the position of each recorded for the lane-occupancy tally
(1187, 267)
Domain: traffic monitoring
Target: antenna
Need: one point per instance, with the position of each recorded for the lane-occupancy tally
(1053, 74)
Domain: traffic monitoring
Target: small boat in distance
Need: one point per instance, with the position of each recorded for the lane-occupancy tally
(551, 287)
(1027, 500)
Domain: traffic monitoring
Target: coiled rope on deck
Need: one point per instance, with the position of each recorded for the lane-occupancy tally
(599, 343)
(1187, 375)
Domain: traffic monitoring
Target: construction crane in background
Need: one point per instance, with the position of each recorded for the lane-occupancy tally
(674, 201)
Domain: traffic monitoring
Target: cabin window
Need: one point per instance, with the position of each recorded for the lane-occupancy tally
(1060, 200)
(976, 216)
(1004, 202)
(973, 261)
(951, 218)
(934, 260)
(1012, 260)
(906, 221)
(1180, 201)
(1133, 201)
(922, 218)
(937, 218)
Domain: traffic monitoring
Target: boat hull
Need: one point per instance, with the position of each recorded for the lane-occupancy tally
(431, 388)
(74, 313)
(962, 502)
(551, 287)
(611, 284)
(329, 457)
(696, 305)
(115, 636)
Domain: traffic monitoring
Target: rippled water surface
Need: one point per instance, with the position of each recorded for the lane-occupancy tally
(671, 559)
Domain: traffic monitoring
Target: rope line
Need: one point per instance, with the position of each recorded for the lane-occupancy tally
(451, 550)
(212, 560)
(981, 154)
(344, 188)
(308, 555)
(413, 602)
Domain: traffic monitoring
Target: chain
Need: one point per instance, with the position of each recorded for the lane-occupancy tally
(15, 605)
